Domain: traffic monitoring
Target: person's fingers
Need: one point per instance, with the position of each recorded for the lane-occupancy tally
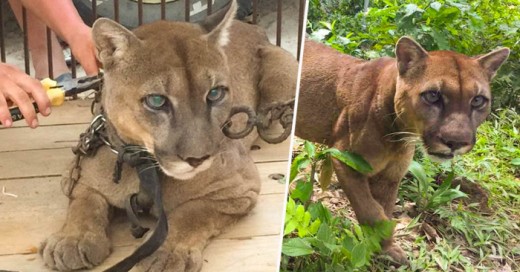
(35, 89)
(23, 102)
(5, 116)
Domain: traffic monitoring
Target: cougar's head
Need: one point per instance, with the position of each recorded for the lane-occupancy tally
(443, 96)
(166, 87)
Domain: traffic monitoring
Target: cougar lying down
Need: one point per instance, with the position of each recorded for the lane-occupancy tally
(373, 107)
(169, 87)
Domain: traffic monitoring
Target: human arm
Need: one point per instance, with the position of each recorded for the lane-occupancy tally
(63, 18)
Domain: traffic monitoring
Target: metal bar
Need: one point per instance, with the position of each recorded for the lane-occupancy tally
(279, 24)
(187, 10)
(116, 10)
(50, 65)
(2, 31)
(140, 11)
(25, 41)
(73, 64)
(94, 10)
(163, 9)
(301, 20)
(210, 7)
(255, 13)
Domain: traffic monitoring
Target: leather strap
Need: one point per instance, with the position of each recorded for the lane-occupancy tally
(151, 186)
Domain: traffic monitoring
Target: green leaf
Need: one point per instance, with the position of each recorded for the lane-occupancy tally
(325, 234)
(353, 160)
(297, 164)
(441, 39)
(326, 172)
(306, 219)
(314, 227)
(411, 9)
(289, 227)
(359, 255)
(318, 211)
(310, 149)
(418, 171)
(303, 191)
(300, 212)
(296, 247)
(436, 6)
(516, 162)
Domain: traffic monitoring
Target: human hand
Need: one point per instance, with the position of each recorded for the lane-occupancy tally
(82, 47)
(18, 88)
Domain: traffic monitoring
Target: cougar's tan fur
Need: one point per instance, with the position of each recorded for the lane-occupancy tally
(183, 62)
(378, 109)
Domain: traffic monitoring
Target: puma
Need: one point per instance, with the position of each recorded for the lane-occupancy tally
(169, 88)
(378, 108)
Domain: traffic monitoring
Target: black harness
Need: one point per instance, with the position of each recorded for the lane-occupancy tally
(149, 177)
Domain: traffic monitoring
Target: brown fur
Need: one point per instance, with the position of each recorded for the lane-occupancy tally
(376, 109)
(183, 62)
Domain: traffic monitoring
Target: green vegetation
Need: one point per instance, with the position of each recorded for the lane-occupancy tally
(456, 216)
(316, 240)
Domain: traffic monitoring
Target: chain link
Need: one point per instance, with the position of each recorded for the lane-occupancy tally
(89, 141)
(281, 111)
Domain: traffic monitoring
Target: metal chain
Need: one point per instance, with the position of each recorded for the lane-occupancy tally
(89, 142)
(281, 111)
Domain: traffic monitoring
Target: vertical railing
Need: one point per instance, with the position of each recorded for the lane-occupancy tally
(50, 64)
(279, 23)
(25, 41)
(2, 33)
(140, 11)
(187, 10)
(301, 23)
(163, 9)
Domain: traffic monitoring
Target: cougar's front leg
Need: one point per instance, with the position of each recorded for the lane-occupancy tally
(192, 224)
(384, 190)
(82, 242)
(366, 206)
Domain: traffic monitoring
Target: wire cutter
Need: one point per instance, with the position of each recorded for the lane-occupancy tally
(66, 88)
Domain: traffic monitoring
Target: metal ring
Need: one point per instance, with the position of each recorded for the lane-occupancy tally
(251, 122)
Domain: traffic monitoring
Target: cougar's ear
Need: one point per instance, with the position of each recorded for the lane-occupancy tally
(493, 60)
(218, 24)
(410, 56)
(112, 40)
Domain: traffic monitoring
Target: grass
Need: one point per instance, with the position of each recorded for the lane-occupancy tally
(479, 232)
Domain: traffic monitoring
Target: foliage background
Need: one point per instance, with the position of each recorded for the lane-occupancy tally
(470, 27)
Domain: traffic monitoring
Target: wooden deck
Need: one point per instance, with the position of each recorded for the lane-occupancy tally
(32, 205)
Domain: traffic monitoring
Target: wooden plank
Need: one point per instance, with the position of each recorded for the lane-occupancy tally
(258, 254)
(48, 162)
(48, 137)
(71, 112)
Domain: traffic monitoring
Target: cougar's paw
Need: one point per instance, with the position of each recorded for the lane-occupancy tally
(178, 259)
(66, 252)
(397, 254)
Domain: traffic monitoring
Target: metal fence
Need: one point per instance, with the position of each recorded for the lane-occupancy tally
(159, 6)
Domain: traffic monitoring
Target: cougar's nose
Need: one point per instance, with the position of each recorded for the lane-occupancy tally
(455, 144)
(195, 162)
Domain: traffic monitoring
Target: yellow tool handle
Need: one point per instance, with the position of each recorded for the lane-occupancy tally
(56, 95)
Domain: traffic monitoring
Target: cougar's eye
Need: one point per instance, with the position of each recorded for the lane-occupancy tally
(478, 101)
(431, 97)
(155, 101)
(216, 94)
